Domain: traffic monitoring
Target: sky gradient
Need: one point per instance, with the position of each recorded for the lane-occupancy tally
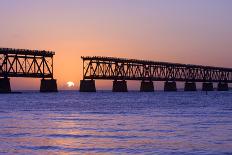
(183, 31)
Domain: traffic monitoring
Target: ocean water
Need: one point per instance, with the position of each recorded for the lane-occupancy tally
(70, 122)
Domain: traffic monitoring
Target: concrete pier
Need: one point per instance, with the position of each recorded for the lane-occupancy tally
(170, 86)
(223, 86)
(48, 85)
(207, 86)
(190, 86)
(5, 85)
(120, 86)
(147, 86)
(87, 86)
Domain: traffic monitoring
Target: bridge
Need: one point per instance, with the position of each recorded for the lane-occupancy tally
(29, 64)
(120, 70)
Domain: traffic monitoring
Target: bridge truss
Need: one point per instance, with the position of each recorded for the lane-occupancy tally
(110, 68)
(26, 63)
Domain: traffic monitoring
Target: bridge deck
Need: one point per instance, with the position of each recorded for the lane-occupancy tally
(26, 52)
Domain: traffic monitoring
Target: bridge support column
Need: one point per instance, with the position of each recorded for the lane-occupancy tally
(147, 86)
(5, 85)
(48, 85)
(222, 86)
(207, 86)
(87, 86)
(170, 86)
(120, 86)
(190, 86)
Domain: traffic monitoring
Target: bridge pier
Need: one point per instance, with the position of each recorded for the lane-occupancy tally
(5, 85)
(207, 86)
(190, 86)
(120, 86)
(170, 86)
(222, 86)
(48, 85)
(147, 86)
(87, 86)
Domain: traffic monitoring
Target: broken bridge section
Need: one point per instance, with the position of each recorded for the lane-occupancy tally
(29, 64)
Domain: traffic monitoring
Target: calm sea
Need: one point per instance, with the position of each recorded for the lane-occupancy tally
(101, 123)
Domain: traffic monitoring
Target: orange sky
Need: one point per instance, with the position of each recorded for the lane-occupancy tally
(194, 31)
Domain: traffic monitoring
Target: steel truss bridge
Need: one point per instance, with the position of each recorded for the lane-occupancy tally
(26, 63)
(110, 68)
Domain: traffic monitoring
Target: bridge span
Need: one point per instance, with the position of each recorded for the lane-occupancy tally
(27, 63)
(120, 70)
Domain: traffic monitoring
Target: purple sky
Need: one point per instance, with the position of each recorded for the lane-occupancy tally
(184, 31)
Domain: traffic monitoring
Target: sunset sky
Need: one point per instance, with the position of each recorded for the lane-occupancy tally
(183, 31)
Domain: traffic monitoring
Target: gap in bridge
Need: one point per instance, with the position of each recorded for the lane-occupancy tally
(25, 83)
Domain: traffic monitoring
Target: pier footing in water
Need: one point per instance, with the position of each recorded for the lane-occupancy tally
(207, 86)
(223, 86)
(48, 85)
(170, 86)
(120, 86)
(87, 86)
(190, 86)
(5, 85)
(147, 86)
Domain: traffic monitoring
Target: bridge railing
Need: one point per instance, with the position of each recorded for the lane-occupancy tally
(26, 52)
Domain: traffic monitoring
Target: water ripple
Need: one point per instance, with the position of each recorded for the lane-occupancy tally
(116, 123)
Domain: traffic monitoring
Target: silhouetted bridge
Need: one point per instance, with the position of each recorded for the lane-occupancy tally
(27, 63)
(119, 70)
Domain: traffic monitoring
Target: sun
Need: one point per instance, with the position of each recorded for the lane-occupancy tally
(70, 84)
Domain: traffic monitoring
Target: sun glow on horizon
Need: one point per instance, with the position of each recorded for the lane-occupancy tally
(70, 84)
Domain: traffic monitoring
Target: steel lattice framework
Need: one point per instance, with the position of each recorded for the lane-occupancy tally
(26, 63)
(130, 69)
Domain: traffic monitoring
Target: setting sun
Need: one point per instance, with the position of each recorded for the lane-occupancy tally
(70, 84)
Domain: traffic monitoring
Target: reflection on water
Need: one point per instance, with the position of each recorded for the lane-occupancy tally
(116, 123)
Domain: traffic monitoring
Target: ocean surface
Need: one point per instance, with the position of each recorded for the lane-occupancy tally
(70, 122)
